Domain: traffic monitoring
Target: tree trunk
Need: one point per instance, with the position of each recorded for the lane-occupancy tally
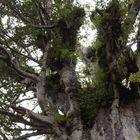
(107, 125)
(121, 120)
(126, 126)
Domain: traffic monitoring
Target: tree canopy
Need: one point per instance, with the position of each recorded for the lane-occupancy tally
(41, 92)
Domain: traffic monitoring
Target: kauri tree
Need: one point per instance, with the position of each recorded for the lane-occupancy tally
(41, 93)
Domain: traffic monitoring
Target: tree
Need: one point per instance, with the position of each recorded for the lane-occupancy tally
(45, 33)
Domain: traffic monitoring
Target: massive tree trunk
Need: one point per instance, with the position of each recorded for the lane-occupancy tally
(125, 127)
(108, 125)
(120, 121)
(60, 90)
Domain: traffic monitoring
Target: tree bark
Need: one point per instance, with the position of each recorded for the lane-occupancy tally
(107, 125)
(126, 126)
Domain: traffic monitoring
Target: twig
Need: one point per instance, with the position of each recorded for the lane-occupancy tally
(26, 99)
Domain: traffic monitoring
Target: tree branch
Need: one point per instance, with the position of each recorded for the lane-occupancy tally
(29, 135)
(14, 9)
(18, 14)
(138, 38)
(41, 15)
(134, 10)
(48, 121)
(131, 17)
(35, 116)
(45, 26)
(6, 57)
(17, 117)
(19, 53)
(43, 9)
(26, 99)
(12, 39)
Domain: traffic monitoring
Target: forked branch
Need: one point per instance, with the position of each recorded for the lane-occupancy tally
(7, 58)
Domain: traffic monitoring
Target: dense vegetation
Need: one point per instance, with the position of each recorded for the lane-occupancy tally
(41, 93)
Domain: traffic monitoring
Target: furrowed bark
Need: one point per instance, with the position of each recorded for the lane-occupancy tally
(128, 121)
(113, 49)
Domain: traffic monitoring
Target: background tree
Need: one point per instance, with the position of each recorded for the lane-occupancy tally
(38, 56)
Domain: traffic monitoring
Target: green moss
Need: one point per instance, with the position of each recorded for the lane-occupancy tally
(102, 58)
(65, 36)
(91, 101)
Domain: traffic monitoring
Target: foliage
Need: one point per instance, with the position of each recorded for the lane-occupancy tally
(38, 56)
(59, 117)
(108, 23)
(65, 37)
(135, 77)
(69, 26)
(92, 98)
(103, 87)
(97, 44)
(96, 19)
(88, 104)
